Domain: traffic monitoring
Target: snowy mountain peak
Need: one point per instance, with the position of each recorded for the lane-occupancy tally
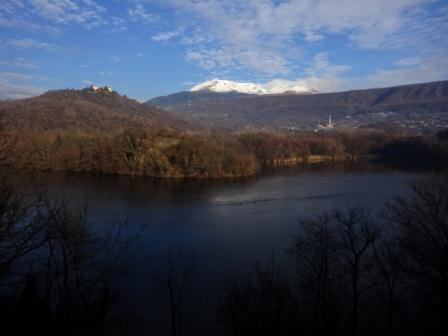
(221, 85)
(276, 86)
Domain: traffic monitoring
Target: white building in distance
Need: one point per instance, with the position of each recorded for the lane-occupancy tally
(95, 88)
(325, 127)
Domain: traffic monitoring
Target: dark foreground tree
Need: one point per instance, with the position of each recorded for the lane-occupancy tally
(314, 252)
(421, 221)
(64, 285)
(387, 301)
(175, 277)
(356, 233)
(263, 304)
(20, 232)
(334, 254)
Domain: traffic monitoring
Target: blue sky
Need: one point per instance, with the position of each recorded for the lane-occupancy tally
(155, 47)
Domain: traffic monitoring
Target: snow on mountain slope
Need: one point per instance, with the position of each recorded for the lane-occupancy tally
(272, 87)
(218, 85)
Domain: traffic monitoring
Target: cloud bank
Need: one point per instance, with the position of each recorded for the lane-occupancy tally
(272, 38)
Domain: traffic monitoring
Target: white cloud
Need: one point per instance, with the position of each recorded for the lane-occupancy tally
(14, 76)
(432, 68)
(8, 11)
(52, 14)
(18, 15)
(83, 12)
(204, 58)
(5, 22)
(408, 61)
(321, 66)
(322, 75)
(53, 10)
(26, 43)
(311, 36)
(265, 61)
(140, 54)
(327, 77)
(193, 39)
(17, 63)
(165, 36)
(138, 13)
(117, 24)
(261, 35)
(10, 90)
(189, 83)
(15, 85)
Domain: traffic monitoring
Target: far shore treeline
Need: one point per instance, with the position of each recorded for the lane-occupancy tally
(170, 153)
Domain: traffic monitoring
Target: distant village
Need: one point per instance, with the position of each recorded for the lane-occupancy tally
(417, 122)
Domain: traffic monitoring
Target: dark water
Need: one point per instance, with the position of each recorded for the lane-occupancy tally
(226, 226)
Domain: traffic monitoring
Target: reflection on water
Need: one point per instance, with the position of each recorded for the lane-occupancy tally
(227, 225)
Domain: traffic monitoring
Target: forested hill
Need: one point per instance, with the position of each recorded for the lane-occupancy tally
(427, 102)
(85, 110)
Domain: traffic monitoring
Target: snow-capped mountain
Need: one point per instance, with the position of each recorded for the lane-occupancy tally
(220, 85)
(273, 87)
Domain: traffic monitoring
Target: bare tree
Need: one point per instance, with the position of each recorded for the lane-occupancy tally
(132, 149)
(175, 277)
(314, 251)
(356, 233)
(333, 253)
(387, 277)
(422, 222)
(20, 232)
(6, 140)
(71, 273)
(263, 304)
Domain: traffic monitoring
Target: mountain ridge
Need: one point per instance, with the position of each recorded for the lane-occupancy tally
(353, 108)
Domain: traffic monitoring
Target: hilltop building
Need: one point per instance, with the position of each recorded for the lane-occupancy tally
(95, 88)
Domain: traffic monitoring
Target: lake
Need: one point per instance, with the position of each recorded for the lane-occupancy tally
(225, 226)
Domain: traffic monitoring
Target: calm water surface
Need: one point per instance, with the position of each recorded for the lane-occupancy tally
(226, 225)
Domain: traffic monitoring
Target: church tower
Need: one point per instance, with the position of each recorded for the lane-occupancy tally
(330, 123)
